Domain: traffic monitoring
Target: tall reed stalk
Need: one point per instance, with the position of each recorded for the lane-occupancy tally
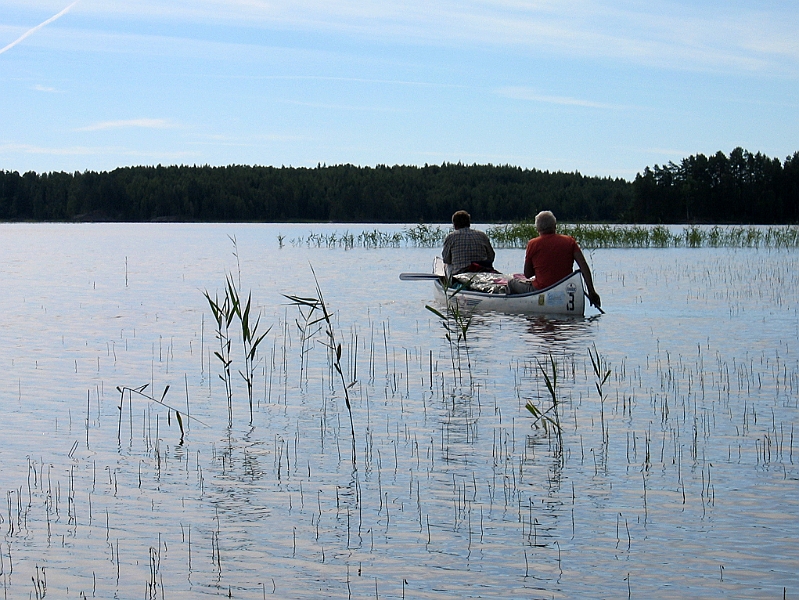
(316, 306)
(223, 315)
(549, 417)
(456, 323)
(602, 373)
(224, 311)
(250, 337)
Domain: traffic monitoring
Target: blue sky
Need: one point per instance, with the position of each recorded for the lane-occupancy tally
(596, 86)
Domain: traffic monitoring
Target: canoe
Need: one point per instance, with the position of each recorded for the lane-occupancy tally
(566, 297)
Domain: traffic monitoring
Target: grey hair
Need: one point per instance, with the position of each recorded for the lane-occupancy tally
(545, 222)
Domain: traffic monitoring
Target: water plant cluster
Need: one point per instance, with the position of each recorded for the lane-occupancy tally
(418, 236)
(589, 236)
(225, 309)
(657, 236)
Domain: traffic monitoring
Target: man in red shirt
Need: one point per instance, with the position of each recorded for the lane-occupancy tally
(549, 258)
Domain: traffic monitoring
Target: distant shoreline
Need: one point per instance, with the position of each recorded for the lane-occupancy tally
(743, 188)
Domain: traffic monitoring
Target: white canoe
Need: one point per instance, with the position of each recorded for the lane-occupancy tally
(566, 297)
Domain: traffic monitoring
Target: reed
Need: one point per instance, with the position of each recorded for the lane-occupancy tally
(251, 338)
(419, 236)
(223, 314)
(588, 235)
(456, 322)
(658, 236)
(141, 393)
(316, 305)
(549, 417)
(225, 310)
(602, 373)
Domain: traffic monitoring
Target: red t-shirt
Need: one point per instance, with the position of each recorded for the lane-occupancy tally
(551, 255)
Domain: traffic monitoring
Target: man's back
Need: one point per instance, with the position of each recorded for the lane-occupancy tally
(551, 255)
(464, 246)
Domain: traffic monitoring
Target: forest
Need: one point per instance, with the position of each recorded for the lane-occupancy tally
(739, 188)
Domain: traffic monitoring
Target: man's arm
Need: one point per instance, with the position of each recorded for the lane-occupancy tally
(593, 297)
(489, 250)
(529, 269)
(446, 253)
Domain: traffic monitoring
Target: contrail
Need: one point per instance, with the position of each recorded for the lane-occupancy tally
(38, 27)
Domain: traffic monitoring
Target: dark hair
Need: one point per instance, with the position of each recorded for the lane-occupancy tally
(461, 219)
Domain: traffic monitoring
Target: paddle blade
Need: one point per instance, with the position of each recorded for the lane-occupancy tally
(418, 276)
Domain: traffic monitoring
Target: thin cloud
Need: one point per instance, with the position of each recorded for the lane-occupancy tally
(249, 141)
(675, 34)
(400, 82)
(95, 151)
(524, 93)
(123, 124)
(43, 88)
(31, 149)
(38, 27)
(326, 106)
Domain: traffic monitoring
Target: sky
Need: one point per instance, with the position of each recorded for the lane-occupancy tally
(601, 87)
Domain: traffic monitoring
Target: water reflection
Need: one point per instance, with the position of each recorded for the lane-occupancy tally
(561, 332)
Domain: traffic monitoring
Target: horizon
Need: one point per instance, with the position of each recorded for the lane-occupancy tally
(598, 88)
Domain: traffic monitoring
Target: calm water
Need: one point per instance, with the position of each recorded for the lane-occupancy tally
(682, 482)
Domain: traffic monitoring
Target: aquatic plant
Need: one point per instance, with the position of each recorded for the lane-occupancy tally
(250, 336)
(308, 328)
(602, 372)
(223, 314)
(316, 305)
(455, 321)
(418, 236)
(140, 392)
(425, 236)
(517, 235)
(548, 417)
(224, 311)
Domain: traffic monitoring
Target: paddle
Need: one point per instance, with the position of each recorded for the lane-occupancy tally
(594, 305)
(418, 276)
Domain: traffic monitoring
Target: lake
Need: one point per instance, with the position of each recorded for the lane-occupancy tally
(680, 479)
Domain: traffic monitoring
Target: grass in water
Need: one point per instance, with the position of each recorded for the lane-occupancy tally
(641, 236)
(316, 306)
(516, 235)
(251, 338)
(456, 322)
(225, 310)
(223, 314)
(548, 417)
(602, 373)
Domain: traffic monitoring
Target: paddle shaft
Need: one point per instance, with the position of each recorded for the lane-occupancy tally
(418, 276)
(594, 305)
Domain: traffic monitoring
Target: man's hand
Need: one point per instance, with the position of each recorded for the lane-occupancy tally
(594, 299)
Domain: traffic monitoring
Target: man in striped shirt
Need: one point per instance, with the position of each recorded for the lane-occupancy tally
(467, 249)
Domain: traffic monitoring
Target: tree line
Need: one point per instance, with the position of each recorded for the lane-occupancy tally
(739, 188)
(742, 188)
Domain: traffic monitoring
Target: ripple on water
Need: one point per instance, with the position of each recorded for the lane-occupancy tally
(681, 482)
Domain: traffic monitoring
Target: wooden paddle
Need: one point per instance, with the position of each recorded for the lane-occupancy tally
(594, 305)
(418, 276)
